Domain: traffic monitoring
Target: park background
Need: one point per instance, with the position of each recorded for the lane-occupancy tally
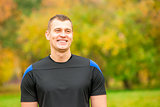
(121, 36)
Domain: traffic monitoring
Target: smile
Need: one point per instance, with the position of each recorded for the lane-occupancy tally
(62, 40)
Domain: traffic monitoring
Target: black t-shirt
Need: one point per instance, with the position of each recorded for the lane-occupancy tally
(67, 84)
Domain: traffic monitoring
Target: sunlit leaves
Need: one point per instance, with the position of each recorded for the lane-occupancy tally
(32, 36)
(6, 65)
(122, 36)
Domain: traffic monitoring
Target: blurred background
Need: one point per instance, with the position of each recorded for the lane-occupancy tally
(121, 36)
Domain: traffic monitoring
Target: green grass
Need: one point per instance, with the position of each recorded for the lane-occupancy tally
(137, 98)
(141, 98)
(10, 100)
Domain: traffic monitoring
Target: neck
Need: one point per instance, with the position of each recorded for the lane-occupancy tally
(60, 56)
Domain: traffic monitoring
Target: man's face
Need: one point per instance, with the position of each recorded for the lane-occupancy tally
(60, 35)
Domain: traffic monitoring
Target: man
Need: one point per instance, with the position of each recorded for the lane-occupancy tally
(62, 79)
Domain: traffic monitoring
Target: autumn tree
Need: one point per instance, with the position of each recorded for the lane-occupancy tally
(122, 36)
(10, 20)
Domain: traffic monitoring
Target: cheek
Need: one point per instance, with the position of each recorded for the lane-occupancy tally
(54, 36)
(70, 37)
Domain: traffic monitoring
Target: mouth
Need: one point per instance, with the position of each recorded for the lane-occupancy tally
(62, 40)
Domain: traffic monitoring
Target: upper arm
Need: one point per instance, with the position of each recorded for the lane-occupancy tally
(99, 101)
(28, 88)
(98, 90)
(29, 104)
(97, 81)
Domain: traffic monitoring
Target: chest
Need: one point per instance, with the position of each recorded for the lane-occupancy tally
(63, 79)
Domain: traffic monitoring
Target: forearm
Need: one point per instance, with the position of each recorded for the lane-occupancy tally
(99, 101)
(29, 104)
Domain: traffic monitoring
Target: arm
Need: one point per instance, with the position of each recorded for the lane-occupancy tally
(98, 90)
(99, 101)
(29, 104)
(28, 89)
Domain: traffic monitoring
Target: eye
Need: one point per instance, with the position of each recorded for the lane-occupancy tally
(68, 31)
(57, 30)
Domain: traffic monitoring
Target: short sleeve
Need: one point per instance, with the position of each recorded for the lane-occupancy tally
(97, 81)
(28, 90)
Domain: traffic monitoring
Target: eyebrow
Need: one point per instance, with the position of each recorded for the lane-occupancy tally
(65, 28)
(57, 28)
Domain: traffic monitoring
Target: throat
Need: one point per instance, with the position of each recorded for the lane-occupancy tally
(60, 57)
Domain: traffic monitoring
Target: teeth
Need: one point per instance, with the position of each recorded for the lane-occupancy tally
(61, 41)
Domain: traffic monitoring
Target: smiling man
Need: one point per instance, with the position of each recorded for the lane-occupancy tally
(62, 79)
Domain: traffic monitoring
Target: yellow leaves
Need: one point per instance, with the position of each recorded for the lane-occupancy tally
(6, 65)
(32, 34)
(143, 76)
(112, 42)
(32, 30)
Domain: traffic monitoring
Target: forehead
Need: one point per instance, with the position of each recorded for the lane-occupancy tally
(61, 24)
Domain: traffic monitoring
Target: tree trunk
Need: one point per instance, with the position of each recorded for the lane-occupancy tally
(106, 83)
(126, 84)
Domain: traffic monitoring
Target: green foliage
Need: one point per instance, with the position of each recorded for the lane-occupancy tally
(26, 6)
(34, 43)
(122, 36)
(11, 20)
(8, 33)
(9, 24)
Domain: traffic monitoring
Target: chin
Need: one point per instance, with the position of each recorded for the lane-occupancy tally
(63, 48)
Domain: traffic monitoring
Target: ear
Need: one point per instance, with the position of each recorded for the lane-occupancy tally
(47, 35)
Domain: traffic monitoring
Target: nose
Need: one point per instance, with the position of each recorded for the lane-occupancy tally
(63, 34)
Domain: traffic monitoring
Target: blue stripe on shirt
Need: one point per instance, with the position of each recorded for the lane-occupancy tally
(27, 70)
(92, 63)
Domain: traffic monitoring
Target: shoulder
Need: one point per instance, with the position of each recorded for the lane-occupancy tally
(85, 61)
(79, 58)
(93, 64)
(39, 64)
(42, 64)
(27, 70)
(80, 61)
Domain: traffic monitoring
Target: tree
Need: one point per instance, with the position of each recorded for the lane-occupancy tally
(6, 65)
(123, 34)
